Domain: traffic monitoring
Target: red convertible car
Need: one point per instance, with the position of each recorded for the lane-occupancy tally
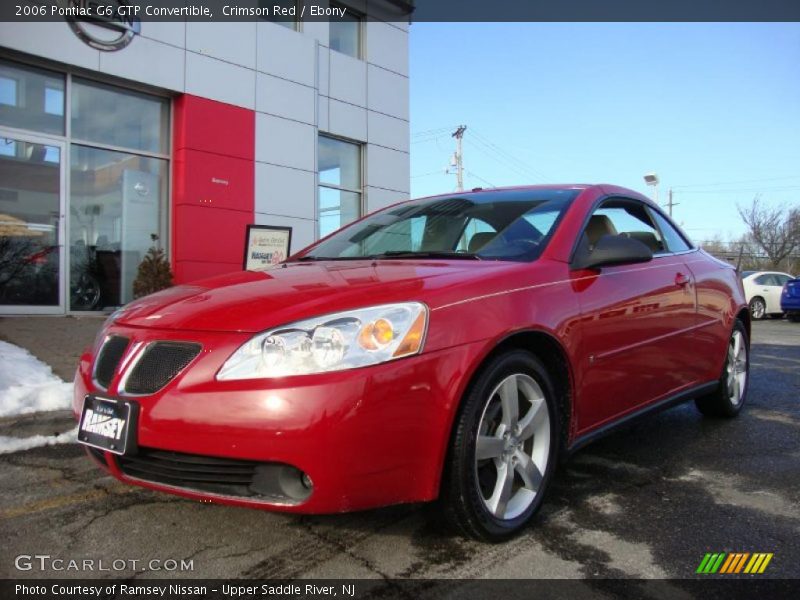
(450, 348)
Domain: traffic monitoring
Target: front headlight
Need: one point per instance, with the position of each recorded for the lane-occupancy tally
(335, 342)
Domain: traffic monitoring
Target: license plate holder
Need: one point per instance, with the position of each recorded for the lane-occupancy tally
(108, 424)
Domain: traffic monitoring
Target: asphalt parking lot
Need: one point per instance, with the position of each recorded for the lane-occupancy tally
(647, 502)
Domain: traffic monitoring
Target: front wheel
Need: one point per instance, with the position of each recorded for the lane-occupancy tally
(503, 449)
(729, 397)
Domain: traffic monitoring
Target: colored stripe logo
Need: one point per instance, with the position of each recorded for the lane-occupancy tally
(734, 562)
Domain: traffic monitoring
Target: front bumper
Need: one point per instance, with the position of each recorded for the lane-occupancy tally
(367, 437)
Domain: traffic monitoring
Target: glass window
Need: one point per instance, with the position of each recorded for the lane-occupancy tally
(675, 241)
(117, 203)
(345, 32)
(31, 99)
(624, 217)
(116, 117)
(782, 279)
(492, 227)
(339, 184)
(766, 279)
(30, 199)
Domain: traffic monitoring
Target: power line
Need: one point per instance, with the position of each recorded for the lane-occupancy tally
(786, 188)
(478, 177)
(736, 182)
(511, 157)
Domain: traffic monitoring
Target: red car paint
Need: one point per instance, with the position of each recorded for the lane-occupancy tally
(634, 336)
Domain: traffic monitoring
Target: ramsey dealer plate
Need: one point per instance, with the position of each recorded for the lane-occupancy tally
(106, 424)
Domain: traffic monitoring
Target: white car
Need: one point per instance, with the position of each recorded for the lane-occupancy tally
(763, 292)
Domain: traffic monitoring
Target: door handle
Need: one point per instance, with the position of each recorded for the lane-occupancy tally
(681, 280)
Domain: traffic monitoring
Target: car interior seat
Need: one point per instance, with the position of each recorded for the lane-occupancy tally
(648, 238)
(599, 225)
(479, 240)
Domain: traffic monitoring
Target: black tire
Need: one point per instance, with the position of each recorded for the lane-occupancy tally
(720, 403)
(462, 501)
(794, 317)
(758, 308)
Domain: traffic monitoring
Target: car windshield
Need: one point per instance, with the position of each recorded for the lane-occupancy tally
(509, 225)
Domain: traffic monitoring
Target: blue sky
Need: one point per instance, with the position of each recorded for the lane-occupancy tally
(697, 103)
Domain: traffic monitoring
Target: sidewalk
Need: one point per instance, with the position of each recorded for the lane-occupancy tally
(57, 341)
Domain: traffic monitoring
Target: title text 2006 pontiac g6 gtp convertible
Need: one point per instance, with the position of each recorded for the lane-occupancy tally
(451, 347)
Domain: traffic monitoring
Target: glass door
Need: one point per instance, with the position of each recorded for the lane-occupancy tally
(32, 178)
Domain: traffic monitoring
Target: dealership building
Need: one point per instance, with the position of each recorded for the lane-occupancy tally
(186, 133)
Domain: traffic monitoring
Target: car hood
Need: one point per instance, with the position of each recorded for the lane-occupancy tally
(253, 301)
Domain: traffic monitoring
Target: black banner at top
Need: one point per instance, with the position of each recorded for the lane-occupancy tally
(131, 11)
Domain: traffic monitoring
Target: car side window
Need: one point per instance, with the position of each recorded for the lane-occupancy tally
(626, 218)
(782, 279)
(766, 279)
(675, 242)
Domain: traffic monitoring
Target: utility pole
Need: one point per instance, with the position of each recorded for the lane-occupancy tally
(459, 158)
(670, 203)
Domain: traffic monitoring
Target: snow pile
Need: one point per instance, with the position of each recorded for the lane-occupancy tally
(11, 444)
(27, 385)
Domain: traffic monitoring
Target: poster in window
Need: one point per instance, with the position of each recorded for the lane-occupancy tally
(266, 246)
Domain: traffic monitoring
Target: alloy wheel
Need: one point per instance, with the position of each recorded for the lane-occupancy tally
(512, 446)
(757, 308)
(736, 368)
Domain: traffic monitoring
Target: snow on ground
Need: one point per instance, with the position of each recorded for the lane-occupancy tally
(12, 444)
(27, 385)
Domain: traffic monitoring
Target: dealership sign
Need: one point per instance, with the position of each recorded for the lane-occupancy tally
(106, 25)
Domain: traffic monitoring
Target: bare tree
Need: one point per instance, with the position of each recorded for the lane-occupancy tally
(775, 230)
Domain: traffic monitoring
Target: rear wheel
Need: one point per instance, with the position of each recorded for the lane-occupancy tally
(503, 449)
(729, 397)
(758, 308)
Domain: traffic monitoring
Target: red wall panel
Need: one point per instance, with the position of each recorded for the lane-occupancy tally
(213, 186)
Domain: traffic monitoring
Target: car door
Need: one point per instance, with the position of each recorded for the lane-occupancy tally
(636, 320)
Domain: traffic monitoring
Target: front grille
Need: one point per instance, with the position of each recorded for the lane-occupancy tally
(275, 482)
(159, 364)
(203, 473)
(108, 359)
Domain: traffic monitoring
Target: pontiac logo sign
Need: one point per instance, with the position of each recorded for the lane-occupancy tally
(106, 25)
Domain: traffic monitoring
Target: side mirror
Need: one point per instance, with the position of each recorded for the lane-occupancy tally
(611, 250)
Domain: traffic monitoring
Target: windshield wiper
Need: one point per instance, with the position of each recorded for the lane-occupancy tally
(426, 254)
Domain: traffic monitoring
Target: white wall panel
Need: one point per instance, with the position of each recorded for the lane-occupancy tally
(348, 80)
(347, 120)
(148, 61)
(303, 230)
(285, 191)
(388, 169)
(284, 98)
(378, 198)
(233, 42)
(54, 40)
(388, 92)
(211, 78)
(285, 143)
(388, 131)
(317, 30)
(169, 32)
(323, 103)
(285, 53)
(383, 40)
(323, 66)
